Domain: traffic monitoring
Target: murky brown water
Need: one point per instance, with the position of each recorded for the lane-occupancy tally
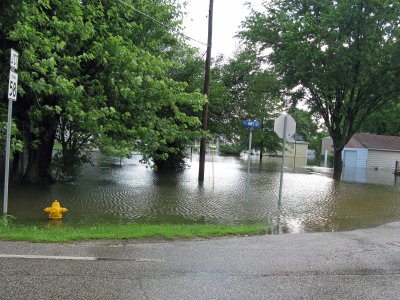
(312, 201)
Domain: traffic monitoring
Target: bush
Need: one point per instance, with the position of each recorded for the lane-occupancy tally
(230, 149)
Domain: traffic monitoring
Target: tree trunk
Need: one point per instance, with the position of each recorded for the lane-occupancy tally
(337, 164)
(33, 164)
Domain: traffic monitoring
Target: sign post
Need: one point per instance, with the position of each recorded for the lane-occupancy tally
(284, 126)
(250, 125)
(12, 96)
(249, 151)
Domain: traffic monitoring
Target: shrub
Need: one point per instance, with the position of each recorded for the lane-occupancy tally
(230, 149)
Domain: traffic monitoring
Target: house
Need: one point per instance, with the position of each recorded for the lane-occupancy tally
(372, 151)
(296, 149)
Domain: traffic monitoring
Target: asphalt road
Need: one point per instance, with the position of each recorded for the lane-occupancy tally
(362, 264)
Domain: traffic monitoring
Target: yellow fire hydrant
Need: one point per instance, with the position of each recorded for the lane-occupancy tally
(55, 211)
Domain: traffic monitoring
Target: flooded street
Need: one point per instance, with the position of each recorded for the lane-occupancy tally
(130, 192)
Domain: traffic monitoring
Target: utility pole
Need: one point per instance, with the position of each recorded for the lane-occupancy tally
(206, 92)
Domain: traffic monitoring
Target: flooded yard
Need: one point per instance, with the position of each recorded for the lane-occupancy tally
(130, 192)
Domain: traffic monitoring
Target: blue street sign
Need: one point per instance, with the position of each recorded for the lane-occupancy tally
(249, 123)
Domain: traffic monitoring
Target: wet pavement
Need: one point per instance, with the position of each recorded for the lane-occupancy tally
(360, 264)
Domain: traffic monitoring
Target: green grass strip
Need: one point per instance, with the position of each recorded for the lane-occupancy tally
(128, 231)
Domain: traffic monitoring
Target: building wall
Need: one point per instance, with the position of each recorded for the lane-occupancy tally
(301, 149)
(290, 162)
(359, 160)
(301, 154)
(382, 159)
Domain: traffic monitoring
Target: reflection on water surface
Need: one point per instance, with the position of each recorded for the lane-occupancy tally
(312, 200)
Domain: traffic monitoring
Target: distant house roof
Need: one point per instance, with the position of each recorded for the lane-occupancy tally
(296, 138)
(374, 141)
(292, 141)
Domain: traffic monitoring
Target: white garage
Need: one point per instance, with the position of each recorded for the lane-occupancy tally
(371, 151)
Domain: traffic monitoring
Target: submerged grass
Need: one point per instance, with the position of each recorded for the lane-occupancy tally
(129, 231)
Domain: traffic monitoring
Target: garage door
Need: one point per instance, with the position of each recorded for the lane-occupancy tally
(350, 158)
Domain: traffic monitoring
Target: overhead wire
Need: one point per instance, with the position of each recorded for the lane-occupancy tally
(160, 23)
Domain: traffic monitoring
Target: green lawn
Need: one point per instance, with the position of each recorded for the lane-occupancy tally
(128, 231)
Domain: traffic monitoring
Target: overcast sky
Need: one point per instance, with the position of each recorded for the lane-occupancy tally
(226, 21)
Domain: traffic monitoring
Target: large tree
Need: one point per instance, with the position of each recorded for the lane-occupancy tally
(243, 89)
(341, 57)
(95, 74)
(306, 126)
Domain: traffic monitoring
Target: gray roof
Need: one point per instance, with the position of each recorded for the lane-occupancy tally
(374, 141)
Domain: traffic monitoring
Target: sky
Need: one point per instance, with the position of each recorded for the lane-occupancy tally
(227, 16)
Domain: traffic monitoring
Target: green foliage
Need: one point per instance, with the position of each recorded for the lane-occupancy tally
(189, 68)
(305, 125)
(340, 57)
(384, 121)
(242, 89)
(6, 221)
(309, 129)
(233, 149)
(16, 144)
(172, 159)
(266, 139)
(316, 142)
(98, 74)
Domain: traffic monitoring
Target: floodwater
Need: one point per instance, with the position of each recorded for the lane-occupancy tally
(311, 200)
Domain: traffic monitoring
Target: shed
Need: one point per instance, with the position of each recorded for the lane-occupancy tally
(372, 151)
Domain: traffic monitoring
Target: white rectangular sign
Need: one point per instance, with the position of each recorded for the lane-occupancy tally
(13, 85)
(14, 59)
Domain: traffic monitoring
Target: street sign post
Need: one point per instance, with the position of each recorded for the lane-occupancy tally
(12, 96)
(250, 124)
(284, 126)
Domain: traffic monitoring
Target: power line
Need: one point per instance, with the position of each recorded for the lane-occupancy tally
(159, 23)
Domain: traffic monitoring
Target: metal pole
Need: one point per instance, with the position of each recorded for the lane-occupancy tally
(295, 150)
(249, 152)
(202, 159)
(212, 163)
(7, 164)
(283, 161)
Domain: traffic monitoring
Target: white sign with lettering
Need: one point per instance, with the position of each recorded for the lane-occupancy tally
(14, 59)
(13, 85)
